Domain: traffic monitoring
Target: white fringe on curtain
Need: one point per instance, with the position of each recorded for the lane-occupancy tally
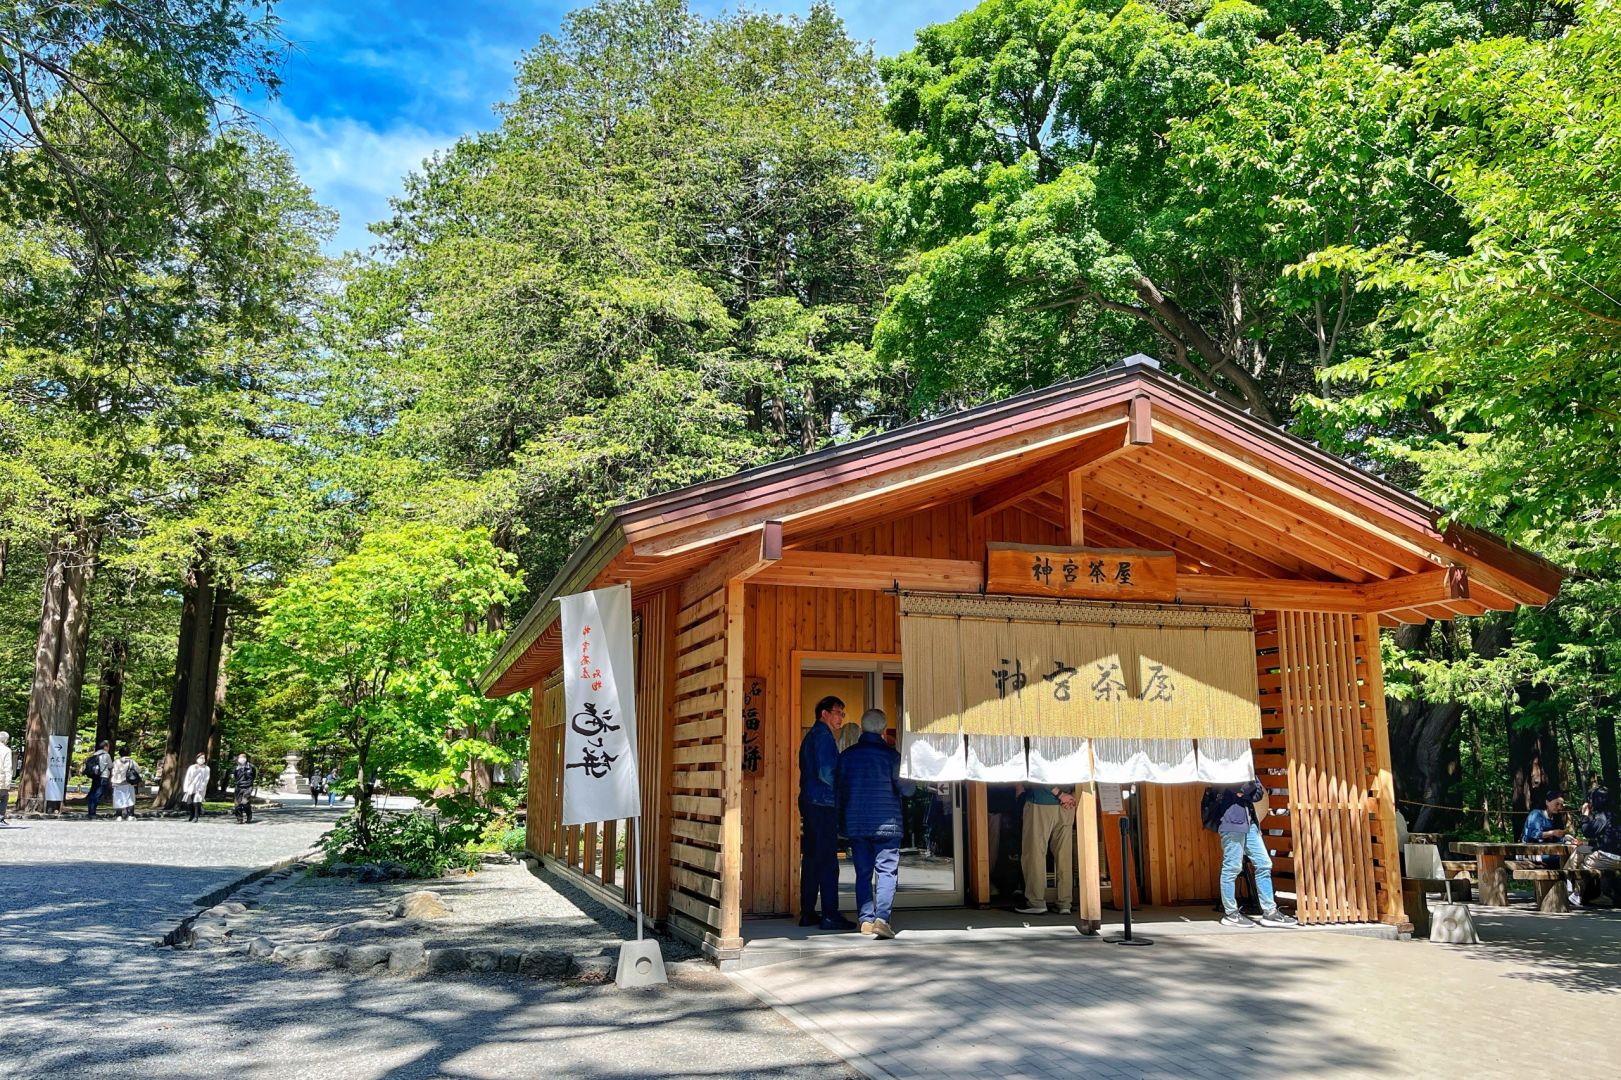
(933, 756)
(996, 759)
(1060, 759)
(1225, 761)
(1132, 761)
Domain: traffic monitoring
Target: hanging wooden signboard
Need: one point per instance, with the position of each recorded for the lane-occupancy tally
(1080, 573)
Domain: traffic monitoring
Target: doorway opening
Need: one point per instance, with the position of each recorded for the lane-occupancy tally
(931, 870)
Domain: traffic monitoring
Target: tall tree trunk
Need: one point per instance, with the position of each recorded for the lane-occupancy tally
(1607, 763)
(59, 655)
(197, 659)
(110, 701)
(217, 712)
(1424, 748)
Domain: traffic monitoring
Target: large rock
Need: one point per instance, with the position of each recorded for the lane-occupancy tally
(483, 960)
(261, 947)
(209, 932)
(444, 960)
(407, 958)
(323, 957)
(545, 963)
(421, 904)
(367, 958)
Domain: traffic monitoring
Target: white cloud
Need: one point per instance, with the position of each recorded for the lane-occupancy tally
(351, 166)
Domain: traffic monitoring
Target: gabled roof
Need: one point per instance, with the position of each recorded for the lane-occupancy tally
(1231, 494)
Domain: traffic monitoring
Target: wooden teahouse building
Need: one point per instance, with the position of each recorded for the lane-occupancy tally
(1113, 581)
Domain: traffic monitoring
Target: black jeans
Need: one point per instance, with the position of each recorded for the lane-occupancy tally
(98, 791)
(818, 859)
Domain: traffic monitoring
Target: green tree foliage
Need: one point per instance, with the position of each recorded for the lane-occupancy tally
(654, 272)
(1075, 179)
(379, 652)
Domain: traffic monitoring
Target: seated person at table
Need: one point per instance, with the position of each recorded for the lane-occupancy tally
(1540, 829)
(1603, 831)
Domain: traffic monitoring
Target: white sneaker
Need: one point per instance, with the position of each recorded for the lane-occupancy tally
(1063, 909)
(1032, 909)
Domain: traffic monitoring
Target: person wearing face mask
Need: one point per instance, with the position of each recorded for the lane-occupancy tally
(195, 788)
(244, 775)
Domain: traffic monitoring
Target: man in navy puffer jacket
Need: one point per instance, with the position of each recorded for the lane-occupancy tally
(869, 788)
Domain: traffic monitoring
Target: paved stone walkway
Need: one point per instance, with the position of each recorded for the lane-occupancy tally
(1543, 995)
(83, 993)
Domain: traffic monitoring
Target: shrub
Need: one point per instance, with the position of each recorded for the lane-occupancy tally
(421, 843)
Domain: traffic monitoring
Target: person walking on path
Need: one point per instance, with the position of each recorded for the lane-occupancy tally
(331, 785)
(244, 775)
(125, 775)
(818, 820)
(315, 787)
(1049, 825)
(868, 788)
(195, 788)
(98, 768)
(1230, 813)
(5, 774)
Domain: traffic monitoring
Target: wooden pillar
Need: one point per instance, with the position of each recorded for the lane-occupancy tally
(1072, 509)
(1392, 907)
(979, 846)
(731, 824)
(1089, 904)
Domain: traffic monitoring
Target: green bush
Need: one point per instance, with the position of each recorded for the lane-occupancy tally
(422, 843)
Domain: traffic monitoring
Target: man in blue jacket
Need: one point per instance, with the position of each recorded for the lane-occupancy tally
(818, 820)
(869, 787)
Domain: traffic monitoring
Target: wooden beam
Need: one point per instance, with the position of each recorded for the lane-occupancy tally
(745, 558)
(1074, 510)
(839, 570)
(1284, 594)
(1090, 452)
(1140, 422)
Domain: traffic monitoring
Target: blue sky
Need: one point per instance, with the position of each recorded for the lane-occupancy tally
(373, 87)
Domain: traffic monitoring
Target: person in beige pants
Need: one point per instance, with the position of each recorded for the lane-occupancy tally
(1049, 825)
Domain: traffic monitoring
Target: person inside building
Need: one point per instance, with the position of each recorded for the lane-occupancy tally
(818, 820)
(1049, 826)
(869, 789)
(1231, 813)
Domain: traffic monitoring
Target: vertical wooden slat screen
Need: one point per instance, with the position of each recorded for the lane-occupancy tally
(1322, 707)
(1271, 754)
(697, 805)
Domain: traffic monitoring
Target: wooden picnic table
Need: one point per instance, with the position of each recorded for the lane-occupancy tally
(1489, 869)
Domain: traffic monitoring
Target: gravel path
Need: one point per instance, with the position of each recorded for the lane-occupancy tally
(84, 993)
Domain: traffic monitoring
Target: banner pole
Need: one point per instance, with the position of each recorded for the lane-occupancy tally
(637, 870)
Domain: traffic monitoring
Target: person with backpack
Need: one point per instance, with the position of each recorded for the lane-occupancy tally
(331, 786)
(125, 775)
(315, 787)
(244, 775)
(98, 769)
(195, 788)
(1230, 813)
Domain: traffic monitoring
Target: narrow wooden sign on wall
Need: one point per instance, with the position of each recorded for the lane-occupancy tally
(754, 714)
(1080, 573)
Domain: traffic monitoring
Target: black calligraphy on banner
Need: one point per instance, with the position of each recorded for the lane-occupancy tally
(1108, 684)
(594, 726)
(1006, 677)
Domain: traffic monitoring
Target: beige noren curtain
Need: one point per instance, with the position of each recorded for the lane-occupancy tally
(997, 667)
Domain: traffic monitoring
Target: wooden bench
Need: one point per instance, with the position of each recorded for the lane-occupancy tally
(1550, 885)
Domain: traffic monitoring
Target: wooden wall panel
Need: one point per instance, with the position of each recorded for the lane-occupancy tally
(780, 620)
(1327, 768)
(695, 771)
(1375, 741)
(1271, 753)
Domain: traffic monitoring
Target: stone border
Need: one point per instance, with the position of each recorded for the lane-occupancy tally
(381, 946)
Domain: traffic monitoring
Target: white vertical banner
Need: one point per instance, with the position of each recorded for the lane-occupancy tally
(56, 769)
(599, 692)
